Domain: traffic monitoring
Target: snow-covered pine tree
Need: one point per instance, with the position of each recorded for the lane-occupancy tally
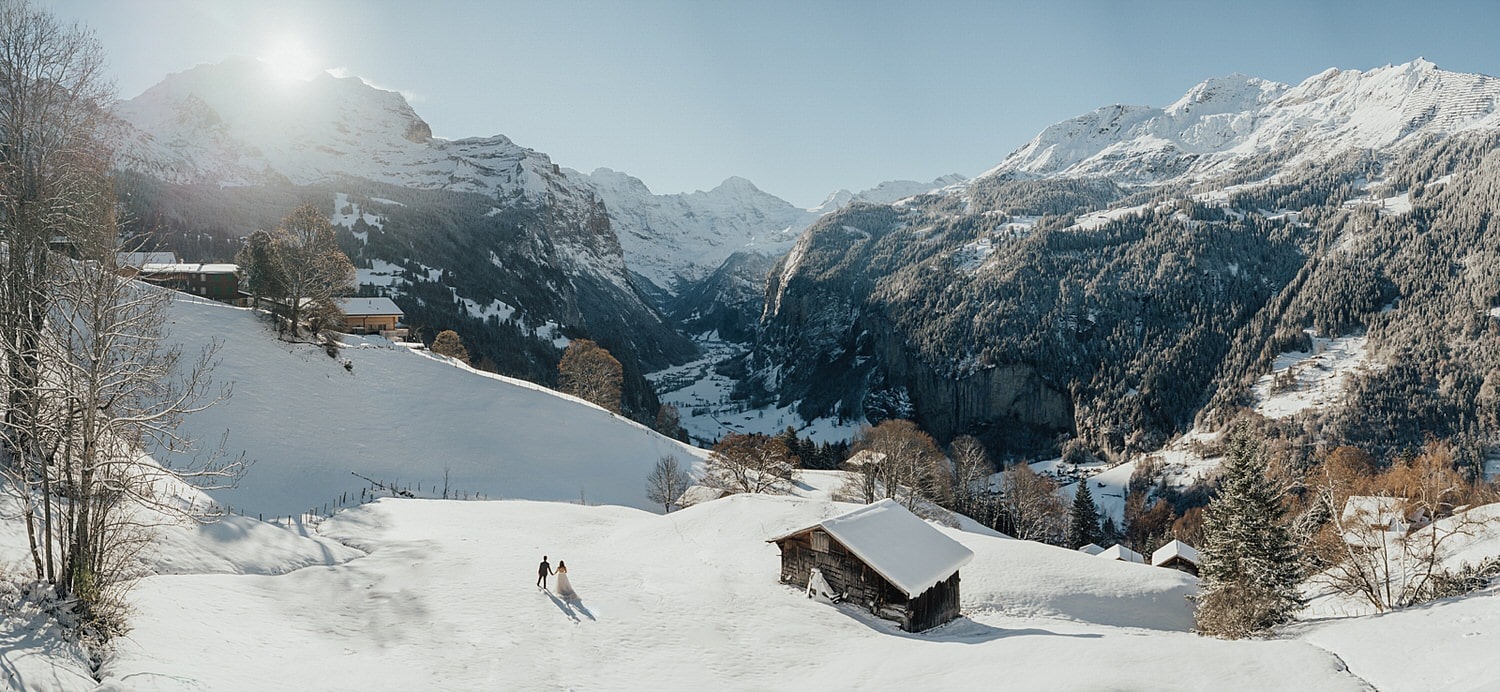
(1250, 567)
(1083, 520)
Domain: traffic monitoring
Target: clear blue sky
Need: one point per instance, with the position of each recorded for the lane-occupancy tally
(801, 97)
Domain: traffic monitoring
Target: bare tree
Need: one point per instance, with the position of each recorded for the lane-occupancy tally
(750, 464)
(971, 478)
(1031, 505)
(902, 463)
(589, 372)
(53, 96)
(310, 271)
(109, 389)
(667, 482)
(1387, 534)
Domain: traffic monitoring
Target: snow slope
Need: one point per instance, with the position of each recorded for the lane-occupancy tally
(1311, 380)
(445, 600)
(396, 415)
(1227, 120)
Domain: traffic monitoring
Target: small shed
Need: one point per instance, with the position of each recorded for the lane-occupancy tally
(372, 316)
(1090, 549)
(1122, 554)
(1177, 555)
(883, 557)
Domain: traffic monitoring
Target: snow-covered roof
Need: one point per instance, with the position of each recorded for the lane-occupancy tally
(1174, 548)
(911, 554)
(140, 259)
(188, 268)
(1374, 510)
(696, 494)
(1090, 549)
(1121, 553)
(359, 307)
(864, 456)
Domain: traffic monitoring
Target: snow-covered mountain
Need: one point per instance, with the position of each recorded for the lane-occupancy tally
(1226, 121)
(470, 228)
(238, 123)
(887, 192)
(683, 237)
(679, 239)
(1052, 294)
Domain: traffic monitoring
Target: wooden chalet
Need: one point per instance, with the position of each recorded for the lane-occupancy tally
(1177, 555)
(1120, 553)
(373, 316)
(882, 557)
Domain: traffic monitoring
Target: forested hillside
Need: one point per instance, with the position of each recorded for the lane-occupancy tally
(1019, 312)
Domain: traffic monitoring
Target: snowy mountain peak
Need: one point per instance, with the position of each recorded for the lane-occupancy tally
(1224, 121)
(1235, 92)
(238, 123)
(737, 185)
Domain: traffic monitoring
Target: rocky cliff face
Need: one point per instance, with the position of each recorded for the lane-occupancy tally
(1136, 268)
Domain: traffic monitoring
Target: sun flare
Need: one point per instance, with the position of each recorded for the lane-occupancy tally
(289, 59)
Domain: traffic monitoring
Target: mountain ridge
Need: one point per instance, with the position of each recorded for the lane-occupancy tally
(1225, 121)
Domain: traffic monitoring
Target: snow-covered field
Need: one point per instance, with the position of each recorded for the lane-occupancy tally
(445, 599)
(439, 594)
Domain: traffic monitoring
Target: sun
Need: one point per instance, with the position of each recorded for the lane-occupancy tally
(289, 59)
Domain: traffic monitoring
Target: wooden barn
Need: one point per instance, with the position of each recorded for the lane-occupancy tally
(883, 557)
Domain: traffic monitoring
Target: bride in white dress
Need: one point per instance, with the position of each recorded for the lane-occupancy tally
(564, 587)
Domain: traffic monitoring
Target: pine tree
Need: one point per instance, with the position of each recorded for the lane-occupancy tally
(1083, 520)
(1250, 567)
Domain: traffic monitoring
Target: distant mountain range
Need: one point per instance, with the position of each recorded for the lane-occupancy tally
(1121, 275)
(524, 250)
(1225, 124)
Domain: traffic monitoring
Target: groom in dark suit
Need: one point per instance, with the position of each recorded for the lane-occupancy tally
(542, 571)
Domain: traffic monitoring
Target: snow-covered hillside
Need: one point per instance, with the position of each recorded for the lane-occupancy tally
(445, 599)
(1222, 122)
(238, 123)
(309, 423)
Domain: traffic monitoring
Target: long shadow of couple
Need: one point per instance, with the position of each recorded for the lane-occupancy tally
(571, 607)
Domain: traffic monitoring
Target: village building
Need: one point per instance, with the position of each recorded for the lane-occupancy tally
(1177, 555)
(1121, 553)
(882, 557)
(219, 282)
(1090, 549)
(373, 316)
(1369, 519)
